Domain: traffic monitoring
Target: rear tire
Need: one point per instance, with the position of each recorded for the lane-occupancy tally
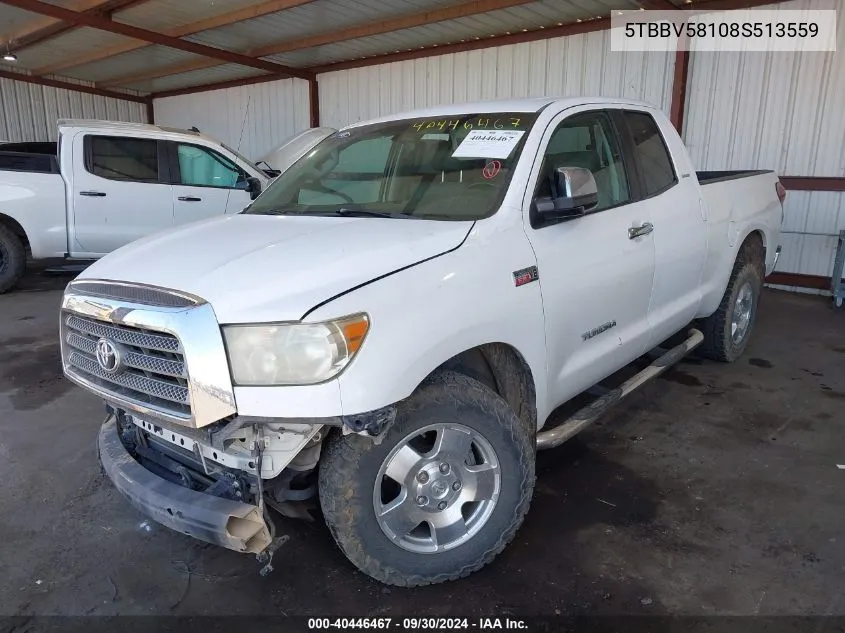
(727, 331)
(442, 493)
(12, 259)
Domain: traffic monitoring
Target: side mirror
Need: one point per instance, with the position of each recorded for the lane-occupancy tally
(575, 193)
(253, 185)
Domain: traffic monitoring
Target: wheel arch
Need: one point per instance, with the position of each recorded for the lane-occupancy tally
(755, 239)
(15, 227)
(503, 369)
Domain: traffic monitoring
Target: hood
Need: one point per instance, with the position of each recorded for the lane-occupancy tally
(259, 268)
(295, 148)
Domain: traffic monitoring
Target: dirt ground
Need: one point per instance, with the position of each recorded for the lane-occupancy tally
(715, 490)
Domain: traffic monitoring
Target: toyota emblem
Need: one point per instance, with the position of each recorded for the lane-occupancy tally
(109, 357)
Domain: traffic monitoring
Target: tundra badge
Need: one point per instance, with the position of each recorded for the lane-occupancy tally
(598, 330)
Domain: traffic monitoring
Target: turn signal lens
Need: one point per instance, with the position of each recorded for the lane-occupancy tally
(354, 332)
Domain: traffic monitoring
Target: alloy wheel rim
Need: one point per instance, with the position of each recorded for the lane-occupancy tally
(741, 317)
(437, 488)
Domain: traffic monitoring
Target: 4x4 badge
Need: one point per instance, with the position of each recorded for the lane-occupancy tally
(526, 276)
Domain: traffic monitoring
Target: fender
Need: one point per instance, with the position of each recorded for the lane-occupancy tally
(428, 313)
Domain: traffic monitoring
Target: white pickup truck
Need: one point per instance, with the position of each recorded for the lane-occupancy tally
(389, 326)
(105, 184)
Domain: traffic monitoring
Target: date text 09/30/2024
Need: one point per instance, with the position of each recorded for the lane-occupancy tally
(417, 624)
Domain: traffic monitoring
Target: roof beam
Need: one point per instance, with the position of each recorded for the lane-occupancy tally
(66, 85)
(105, 24)
(373, 28)
(44, 29)
(246, 13)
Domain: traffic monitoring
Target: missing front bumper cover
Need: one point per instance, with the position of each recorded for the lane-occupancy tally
(231, 524)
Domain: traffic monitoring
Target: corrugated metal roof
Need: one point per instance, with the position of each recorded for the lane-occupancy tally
(131, 62)
(13, 19)
(69, 44)
(320, 16)
(197, 78)
(544, 13)
(160, 15)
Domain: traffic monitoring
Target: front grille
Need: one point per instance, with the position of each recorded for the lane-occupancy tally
(154, 371)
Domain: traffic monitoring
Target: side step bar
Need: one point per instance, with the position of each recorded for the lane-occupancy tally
(584, 417)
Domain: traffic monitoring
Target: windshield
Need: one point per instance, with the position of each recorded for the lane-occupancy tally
(444, 168)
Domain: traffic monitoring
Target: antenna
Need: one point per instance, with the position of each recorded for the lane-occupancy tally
(243, 125)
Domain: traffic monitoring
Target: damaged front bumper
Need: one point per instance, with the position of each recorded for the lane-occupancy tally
(231, 524)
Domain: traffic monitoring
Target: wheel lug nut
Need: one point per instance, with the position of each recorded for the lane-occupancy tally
(422, 477)
(456, 486)
(441, 505)
(422, 500)
(444, 468)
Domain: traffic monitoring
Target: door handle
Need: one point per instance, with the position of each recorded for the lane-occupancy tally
(637, 231)
(95, 194)
(189, 199)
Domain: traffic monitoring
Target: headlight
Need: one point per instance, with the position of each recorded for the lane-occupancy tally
(294, 353)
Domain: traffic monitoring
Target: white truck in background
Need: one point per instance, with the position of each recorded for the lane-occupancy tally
(390, 325)
(105, 184)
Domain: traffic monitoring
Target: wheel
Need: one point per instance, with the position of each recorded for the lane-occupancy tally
(12, 259)
(441, 495)
(726, 331)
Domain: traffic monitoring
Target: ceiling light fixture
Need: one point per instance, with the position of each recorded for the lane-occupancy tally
(10, 57)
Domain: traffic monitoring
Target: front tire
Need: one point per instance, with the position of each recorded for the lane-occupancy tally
(727, 331)
(443, 492)
(12, 259)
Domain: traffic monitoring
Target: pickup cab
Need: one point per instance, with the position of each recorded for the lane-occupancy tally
(105, 184)
(388, 328)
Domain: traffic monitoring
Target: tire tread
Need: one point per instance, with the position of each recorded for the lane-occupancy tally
(714, 347)
(17, 255)
(342, 454)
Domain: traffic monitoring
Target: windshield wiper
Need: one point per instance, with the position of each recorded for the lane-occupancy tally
(346, 212)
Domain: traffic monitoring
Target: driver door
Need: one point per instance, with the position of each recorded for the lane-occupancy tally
(595, 279)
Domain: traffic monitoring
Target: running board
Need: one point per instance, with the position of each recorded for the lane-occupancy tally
(586, 416)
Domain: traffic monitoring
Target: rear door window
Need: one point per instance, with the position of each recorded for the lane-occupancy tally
(650, 153)
(122, 158)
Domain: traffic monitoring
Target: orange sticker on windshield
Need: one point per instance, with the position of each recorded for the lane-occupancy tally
(491, 170)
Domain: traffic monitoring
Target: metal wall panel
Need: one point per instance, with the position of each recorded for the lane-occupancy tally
(28, 112)
(578, 64)
(254, 119)
(781, 111)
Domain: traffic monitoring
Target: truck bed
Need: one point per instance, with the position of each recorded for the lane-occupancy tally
(39, 157)
(709, 177)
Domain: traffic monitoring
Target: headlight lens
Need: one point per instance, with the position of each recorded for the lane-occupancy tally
(295, 353)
